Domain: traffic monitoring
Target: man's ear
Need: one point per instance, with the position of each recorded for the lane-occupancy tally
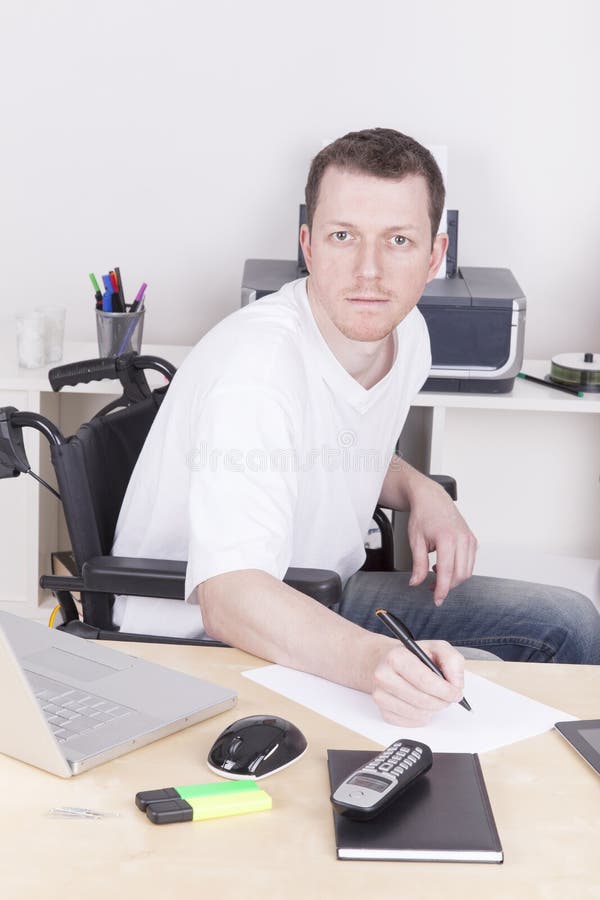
(305, 244)
(438, 251)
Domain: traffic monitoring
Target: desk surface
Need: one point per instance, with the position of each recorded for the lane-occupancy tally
(546, 801)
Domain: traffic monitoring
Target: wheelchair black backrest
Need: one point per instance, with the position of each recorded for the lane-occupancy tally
(93, 469)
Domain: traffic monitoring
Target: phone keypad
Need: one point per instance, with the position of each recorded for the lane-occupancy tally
(395, 760)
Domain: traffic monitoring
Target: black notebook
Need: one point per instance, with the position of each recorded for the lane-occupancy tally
(445, 816)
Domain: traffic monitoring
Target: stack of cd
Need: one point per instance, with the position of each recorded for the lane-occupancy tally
(580, 371)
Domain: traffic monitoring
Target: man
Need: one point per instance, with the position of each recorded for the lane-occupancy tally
(276, 441)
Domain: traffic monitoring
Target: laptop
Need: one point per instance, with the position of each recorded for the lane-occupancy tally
(70, 704)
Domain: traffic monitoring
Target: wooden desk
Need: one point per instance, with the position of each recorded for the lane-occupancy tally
(546, 801)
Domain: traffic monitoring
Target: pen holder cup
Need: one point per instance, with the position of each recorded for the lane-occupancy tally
(119, 332)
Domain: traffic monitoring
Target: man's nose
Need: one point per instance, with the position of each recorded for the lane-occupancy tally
(368, 260)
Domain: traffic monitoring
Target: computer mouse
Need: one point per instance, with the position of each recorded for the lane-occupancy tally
(255, 747)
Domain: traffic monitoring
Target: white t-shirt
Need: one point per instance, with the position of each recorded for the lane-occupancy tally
(265, 454)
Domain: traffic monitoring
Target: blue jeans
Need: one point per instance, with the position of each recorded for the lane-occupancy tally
(516, 620)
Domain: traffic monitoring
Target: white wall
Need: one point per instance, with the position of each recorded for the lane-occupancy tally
(172, 138)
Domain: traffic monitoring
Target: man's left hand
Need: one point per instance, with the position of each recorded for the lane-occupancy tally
(435, 524)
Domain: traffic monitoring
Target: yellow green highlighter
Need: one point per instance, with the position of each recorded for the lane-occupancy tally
(196, 802)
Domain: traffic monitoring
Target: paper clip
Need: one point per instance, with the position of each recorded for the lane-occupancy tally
(80, 812)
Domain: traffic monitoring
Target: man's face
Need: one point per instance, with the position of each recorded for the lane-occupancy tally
(369, 252)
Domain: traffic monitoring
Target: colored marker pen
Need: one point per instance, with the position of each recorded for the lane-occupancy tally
(97, 291)
(194, 791)
(168, 811)
(120, 288)
(203, 801)
(139, 298)
(107, 297)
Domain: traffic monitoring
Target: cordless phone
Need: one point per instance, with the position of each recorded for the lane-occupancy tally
(382, 779)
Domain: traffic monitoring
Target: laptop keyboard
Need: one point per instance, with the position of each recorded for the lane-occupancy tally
(71, 712)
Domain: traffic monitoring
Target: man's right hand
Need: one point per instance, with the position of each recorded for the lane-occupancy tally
(254, 611)
(407, 692)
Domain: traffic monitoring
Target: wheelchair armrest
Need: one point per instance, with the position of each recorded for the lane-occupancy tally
(447, 482)
(322, 585)
(166, 578)
(90, 632)
(135, 577)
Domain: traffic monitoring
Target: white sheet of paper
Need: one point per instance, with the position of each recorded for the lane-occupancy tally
(500, 716)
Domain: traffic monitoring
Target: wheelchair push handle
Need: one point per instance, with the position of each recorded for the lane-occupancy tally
(82, 372)
(127, 368)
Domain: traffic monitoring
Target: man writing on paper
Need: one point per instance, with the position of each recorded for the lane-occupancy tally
(276, 441)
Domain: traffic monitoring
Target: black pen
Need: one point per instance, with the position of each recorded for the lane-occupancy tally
(120, 287)
(557, 387)
(403, 634)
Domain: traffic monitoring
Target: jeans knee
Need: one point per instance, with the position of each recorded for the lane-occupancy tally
(576, 625)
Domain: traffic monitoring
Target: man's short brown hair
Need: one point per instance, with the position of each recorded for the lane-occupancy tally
(381, 152)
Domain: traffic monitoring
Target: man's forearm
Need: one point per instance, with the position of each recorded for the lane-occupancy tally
(402, 482)
(255, 612)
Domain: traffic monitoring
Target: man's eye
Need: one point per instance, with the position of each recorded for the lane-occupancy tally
(340, 235)
(399, 240)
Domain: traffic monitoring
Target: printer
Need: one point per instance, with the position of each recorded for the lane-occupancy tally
(475, 316)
